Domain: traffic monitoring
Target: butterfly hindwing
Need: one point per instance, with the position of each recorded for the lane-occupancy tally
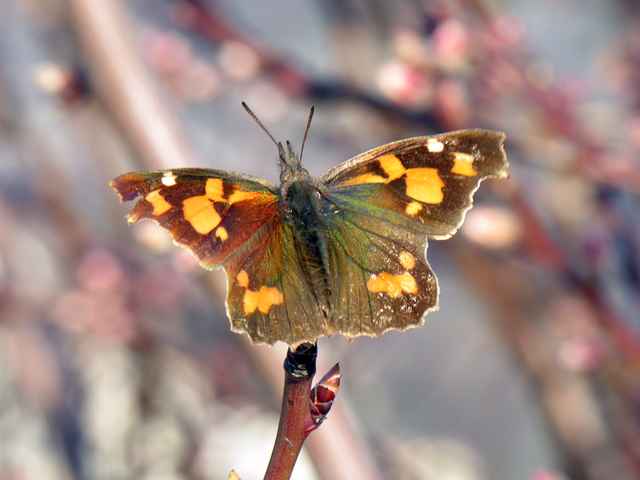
(380, 280)
(212, 213)
(266, 297)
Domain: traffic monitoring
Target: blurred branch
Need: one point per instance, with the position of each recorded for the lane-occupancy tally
(560, 115)
(122, 80)
(586, 454)
(201, 17)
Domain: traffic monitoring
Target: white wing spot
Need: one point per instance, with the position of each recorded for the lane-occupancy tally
(168, 179)
(435, 146)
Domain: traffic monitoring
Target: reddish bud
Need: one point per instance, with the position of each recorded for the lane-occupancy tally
(322, 397)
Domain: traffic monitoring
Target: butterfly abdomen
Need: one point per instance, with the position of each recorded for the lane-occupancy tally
(303, 212)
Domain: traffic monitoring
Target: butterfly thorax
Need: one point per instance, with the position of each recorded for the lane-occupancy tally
(301, 203)
(299, 193)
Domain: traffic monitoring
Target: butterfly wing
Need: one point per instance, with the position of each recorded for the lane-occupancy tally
(381, 207)
(380, 278)
(212, 213)
(424, 183)
(266, 295)
(235, 222)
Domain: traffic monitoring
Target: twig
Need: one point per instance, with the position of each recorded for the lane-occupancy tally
(327, 445)
(295, 415)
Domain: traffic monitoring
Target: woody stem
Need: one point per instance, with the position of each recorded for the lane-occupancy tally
(295, 414)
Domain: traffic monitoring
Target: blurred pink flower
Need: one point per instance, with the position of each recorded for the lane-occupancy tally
(547, 475)
(100, 270)
(166, 52)
(452, 104)
(504, 34)
(238, 61)
(451, 43)
(404, 84)
(492, 227)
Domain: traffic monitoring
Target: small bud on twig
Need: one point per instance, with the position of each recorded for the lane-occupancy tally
(322, 397)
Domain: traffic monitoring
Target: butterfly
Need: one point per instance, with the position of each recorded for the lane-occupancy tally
(341, 254)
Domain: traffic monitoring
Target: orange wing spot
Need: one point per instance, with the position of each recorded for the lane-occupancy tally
(392, 285)
(408, 283)
(365, 178)
(463, 164)
(214, 189)
(157, 201)
(201, 214)
(392, 166)
(407, 260)
(243, 279)
(200, 210)
(222, 233)
(262, 300)
(413, 208)
(425, 185)
(434, 145)
(240, 196)
(269, 296)
(250, 301)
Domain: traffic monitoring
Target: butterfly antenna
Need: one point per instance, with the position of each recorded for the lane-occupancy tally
(306, 131)
(257, 120)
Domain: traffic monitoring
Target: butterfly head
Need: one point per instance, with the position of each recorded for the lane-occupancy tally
(290, 162)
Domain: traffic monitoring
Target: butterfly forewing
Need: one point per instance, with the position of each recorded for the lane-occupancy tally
(212, 213)
(423, 183)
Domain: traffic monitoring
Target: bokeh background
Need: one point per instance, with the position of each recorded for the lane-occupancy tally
(115, 357)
